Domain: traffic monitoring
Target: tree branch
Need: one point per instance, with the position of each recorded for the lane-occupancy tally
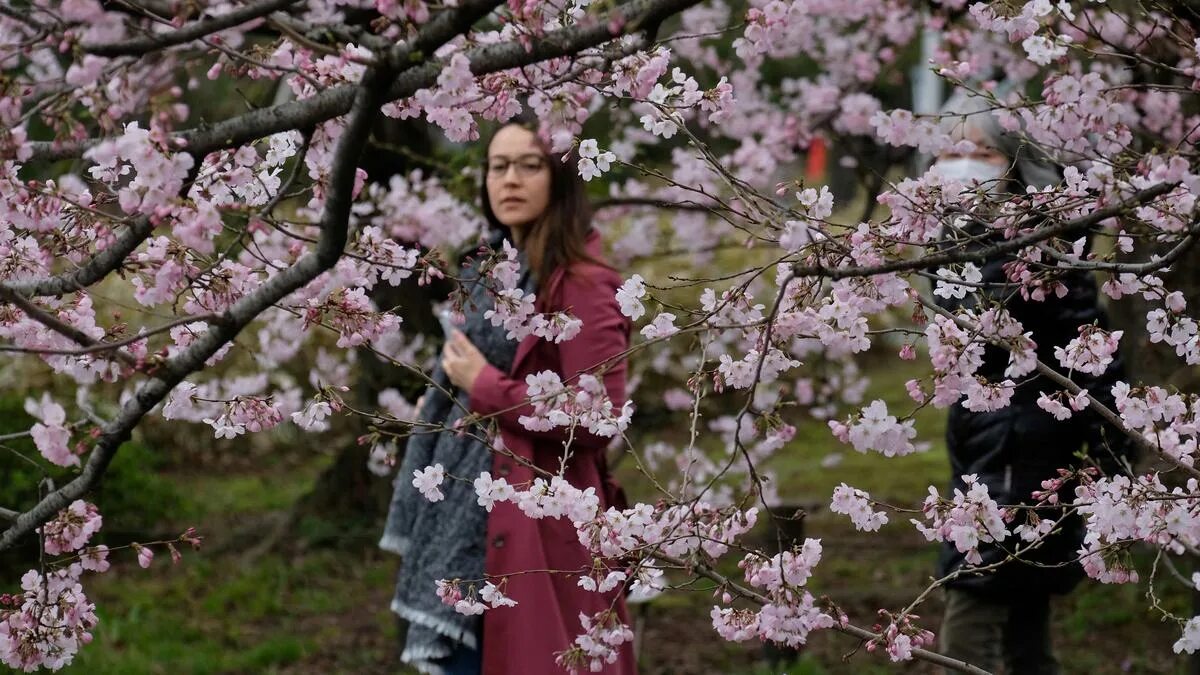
(849, 629)
(989, 252)
(58, 326)
(23, 18)
(614, 202)
(334, 225)
(98, 346)
(438, 31)
(189, 32)
(335, 101)
(90, 272)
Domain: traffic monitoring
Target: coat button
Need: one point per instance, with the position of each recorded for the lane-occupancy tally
(505, 469)
(498, 542)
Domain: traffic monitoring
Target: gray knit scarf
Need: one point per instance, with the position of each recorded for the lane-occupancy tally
(445, 539)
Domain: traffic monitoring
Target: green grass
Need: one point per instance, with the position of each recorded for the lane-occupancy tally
(325, 611)
(220, 612)
(218, 494)
(216, 616)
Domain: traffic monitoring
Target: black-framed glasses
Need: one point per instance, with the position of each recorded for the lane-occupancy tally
(527, 166)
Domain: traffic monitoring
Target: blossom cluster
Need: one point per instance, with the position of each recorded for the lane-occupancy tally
(585, 404)
(857, 504)
(901, 636)
(72, 528)
(790, 613)
(50, 621)
(967, 520)
(472, 603)
(874, 429)
(516, 310)
(599, 644)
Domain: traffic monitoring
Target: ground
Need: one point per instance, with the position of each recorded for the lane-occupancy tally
(223, 610)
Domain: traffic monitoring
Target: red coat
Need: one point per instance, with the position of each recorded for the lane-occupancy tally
(523, 640)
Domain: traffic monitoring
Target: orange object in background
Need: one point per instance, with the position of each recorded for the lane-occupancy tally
(814, 165)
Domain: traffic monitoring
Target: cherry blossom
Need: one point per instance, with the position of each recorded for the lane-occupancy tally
(967, 520)
(428, 482)
(876, 430)
(72, 529)
(857, 504)
(629, 296)
(251, 246)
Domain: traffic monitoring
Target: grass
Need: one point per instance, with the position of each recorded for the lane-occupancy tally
(210, 616)
(325, 611)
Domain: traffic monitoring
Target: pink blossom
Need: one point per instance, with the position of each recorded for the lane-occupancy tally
(1053, 406)
(71, 528)
(969, 519)
(662, 326)
(492, 596)
(53, 619)
(491, 491)
(599, 644)
(514, 310)
(382, 459)
(144, 554)
(95, 558)
(857, 504)
(50, 436)
(428, 481)
(876, 430)
(1091, 352)
(628, 297)
(448, 591)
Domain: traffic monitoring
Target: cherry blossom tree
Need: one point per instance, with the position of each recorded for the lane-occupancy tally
(251, 242)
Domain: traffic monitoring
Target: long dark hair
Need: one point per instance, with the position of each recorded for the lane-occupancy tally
(558, 237)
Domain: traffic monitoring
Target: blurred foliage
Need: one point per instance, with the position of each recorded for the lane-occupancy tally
(132, 497)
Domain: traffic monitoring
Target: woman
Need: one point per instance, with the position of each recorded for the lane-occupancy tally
(1004, 616)
(536, 202)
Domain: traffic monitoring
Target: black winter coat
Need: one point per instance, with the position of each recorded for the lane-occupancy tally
(1014, 449)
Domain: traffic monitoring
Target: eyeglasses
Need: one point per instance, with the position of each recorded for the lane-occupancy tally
(527, 166)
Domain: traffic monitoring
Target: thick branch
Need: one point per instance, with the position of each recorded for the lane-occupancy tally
(335, 101)
(93, 270)
(23, 17)
(440, 30)
(334, 225)
(59, 326)
(986, 253)
(98, 346)
(189, 32)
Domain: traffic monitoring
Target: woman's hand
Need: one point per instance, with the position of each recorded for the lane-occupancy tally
(462, 361)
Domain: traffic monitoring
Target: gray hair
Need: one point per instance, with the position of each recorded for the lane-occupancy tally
(1033, 167)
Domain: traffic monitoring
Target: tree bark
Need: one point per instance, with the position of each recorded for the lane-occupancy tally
(347, 504)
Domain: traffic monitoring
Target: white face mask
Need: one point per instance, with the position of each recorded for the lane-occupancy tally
(969, 170)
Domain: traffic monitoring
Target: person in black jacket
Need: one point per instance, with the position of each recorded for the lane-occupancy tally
(1003, 616)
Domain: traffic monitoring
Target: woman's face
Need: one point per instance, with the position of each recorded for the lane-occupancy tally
(518, 178)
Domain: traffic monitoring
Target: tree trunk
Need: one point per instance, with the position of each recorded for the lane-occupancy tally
(348, 503)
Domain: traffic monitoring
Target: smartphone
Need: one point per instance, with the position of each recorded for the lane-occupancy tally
(444, 316)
